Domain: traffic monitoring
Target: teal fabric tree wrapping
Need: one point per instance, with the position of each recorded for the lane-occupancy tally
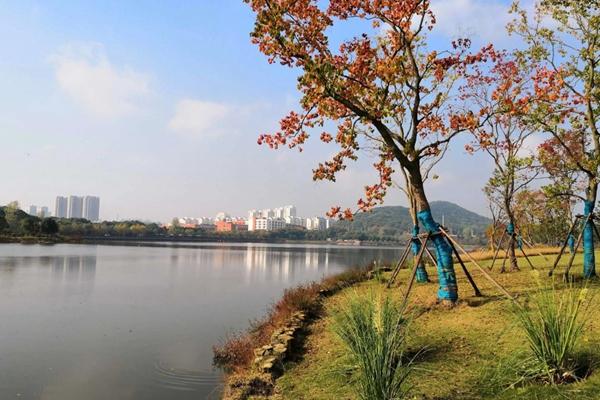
(448, 289)
(422, 276)
(589, 259)
(571, 243)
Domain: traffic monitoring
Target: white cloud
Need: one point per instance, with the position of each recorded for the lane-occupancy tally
(483, 19)
(86, 75)
(199, 118)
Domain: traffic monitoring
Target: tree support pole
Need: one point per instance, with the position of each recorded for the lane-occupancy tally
(413, 272)
(483, 271)
(533, 248)
(527, 258)
(564, 246)
(399, 264)
(465, 270)
(431, 257)
(510, 240)
(579, 237)
(498, 249)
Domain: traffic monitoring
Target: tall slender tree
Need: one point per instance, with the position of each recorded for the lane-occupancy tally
(501, 93)
(563, 39)
(384, 86)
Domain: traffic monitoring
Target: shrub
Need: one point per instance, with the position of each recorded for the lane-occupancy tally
(345, 279)
(375, 333)
(237, 351)
(553, 324)
(299, 298)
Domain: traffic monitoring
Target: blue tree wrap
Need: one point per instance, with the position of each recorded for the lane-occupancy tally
(519, 242)
(448, 289)
(416, 247)
(589, 259)
(510, 229)
(571, 243)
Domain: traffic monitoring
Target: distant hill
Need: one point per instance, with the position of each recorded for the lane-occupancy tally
(394, 222)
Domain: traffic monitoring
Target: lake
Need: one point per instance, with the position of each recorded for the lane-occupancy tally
(139, 322)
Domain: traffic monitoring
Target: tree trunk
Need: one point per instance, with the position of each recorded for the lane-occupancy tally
(422, 276)
(589, 258)
(510, 230)
(448, 289)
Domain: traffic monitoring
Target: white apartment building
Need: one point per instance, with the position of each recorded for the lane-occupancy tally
(75, 208)
(317, 224)
(43, 212)
(91, 208)
(272, 219)
(289, 211)
(266, 224)
(61, 207)
(296, 221)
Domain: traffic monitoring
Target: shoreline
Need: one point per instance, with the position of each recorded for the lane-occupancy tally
(259, 378)
(307, 369)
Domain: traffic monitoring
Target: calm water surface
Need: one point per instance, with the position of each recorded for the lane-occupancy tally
(124, 322)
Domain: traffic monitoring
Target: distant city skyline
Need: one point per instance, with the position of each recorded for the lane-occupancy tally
(87, 207)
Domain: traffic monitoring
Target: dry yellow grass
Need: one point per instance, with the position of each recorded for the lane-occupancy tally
(459, 346)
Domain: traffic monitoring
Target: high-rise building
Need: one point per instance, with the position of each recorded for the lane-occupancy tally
(32, 210)
(61, 207)
(43, 212)
(75, 207)
(289, 211)
(91, 208)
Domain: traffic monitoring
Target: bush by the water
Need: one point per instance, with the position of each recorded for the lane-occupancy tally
(374, 331)
(237, 351)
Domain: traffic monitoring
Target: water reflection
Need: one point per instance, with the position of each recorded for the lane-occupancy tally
(102, 322)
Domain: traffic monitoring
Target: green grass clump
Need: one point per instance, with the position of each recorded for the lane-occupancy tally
(374, 331)
(553, 323)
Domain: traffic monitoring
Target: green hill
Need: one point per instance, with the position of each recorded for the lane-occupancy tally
(394, 222)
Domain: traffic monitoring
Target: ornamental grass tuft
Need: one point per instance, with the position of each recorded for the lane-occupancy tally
(553, 321)
(374, 331)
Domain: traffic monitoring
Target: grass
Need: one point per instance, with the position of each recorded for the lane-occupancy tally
(374, 332)
(553, 321)
(473, 351)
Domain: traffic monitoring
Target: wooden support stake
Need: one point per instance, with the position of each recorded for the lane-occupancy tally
(465, 270)
(431, 257)
(497, 249)
(579, 237)
(564, 246)
(506, 253)
(399, 264)
(483, 271)
(527, 258)
(533, 248)
(413, 273)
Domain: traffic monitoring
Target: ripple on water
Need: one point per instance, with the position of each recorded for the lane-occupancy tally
(178, 379)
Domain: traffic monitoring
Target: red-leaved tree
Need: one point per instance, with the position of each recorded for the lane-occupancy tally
(383, 89)
(563, 52)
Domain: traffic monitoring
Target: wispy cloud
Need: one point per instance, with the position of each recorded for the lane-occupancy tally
(199, 118)
(87, 76)
(204, 118)
(482, 19)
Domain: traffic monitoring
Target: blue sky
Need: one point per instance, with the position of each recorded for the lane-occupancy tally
(156, 106)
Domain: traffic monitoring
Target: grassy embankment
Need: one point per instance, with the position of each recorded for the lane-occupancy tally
(461, 353)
